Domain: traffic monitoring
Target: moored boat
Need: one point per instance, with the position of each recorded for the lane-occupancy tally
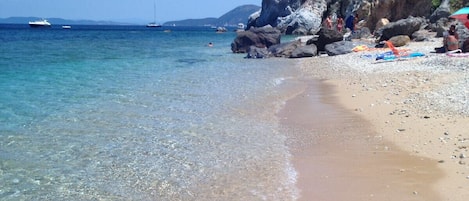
(66, 27)
(153, 24)
(40, 23)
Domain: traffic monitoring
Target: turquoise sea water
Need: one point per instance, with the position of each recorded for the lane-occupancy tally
(130, 113)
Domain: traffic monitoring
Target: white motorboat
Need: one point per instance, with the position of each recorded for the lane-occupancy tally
(40, 23)
(66, 27)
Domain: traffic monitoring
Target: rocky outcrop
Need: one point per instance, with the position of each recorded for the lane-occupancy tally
(372, 11)
(401, 27)
(294, 49)
(284, 49)
(399, 41)
(443, 11)
(263, 37)
(306, 16)
(305, 51)
(257, 53)
(340, 47)
(326, 36)
(291, 16)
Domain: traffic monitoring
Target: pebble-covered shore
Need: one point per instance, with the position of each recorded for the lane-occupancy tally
(420, 104)
(451, 96)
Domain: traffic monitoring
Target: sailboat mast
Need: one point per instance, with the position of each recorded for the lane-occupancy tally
(154, 11)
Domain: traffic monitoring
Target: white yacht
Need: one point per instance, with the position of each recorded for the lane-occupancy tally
(40, 23)
(153, 24)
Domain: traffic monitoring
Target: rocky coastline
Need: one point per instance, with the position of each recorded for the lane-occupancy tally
(376, 21)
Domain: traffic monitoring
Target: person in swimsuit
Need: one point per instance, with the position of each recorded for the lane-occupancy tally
(451, 42)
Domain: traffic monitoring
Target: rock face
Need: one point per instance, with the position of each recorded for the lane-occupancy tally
(393, 10)
(305, 16)
(400, 40)
(340, 47)
(402, 27)
(263, 37)
(291, 16)
(305, 51)
(284, 49)
(327, 36)
(442, 11)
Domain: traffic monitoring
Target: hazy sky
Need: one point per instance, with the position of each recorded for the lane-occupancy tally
(138, 10)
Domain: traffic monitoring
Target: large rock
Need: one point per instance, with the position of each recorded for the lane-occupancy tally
(326, 36)
(400, 40)
(291, 16)
(443, 11)
(284, 49)
(381, 23)
(421, 35)
(305, 16)
(258, 37)
(402, 27)
(305, 51)
(393, 10)
(342, 47)
(257, 53)
(301, 22)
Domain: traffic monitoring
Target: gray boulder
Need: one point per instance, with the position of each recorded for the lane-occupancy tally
(257, 53)
(258, 37)
(342, 47)
(443, 11)
(305, 51)
(284, 49)
(399, 41)
(326, 36)
(291, 16)
(301, 22)
(401, 27)
(421, 35)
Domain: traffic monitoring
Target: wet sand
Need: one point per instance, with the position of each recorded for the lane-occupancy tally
(340, 156)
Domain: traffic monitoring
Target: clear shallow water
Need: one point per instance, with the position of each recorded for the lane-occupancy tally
(129, 113)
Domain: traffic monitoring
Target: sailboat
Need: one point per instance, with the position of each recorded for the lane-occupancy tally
(154, 24)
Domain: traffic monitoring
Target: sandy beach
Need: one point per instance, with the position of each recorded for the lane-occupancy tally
(382, 130)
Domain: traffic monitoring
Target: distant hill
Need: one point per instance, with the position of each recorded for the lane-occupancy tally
(60, 21)
(232, 18)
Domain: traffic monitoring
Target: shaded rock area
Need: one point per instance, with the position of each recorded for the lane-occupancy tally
(306, 16)
(398, 21)
(343, 47)
(401, 27)
(326, 36)
(399, 41)
(305, 51)
(284, 49)
(290, 16)
(258, 37)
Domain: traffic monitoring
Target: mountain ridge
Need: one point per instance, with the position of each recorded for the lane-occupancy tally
(238, 15)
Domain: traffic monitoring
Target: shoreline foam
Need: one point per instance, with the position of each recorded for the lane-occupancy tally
(415, 106)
